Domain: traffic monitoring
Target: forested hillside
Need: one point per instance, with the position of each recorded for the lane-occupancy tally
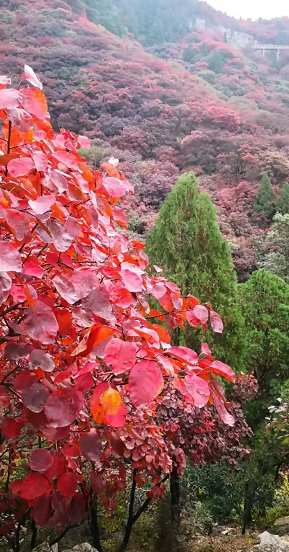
(186, 97)
(135, 363)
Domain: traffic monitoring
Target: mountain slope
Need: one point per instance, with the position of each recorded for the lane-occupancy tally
(194, 102)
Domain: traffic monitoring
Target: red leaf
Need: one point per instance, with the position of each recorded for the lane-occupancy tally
(65, 288)
(41, 323)
(20, 118)
(29, 75)
(32, 268)
(113, 186)
(10, 258)
(117, 445)
(96, 483)
(18, 221)
(40, 359)
(83, 141)
(205, 350)
(24, 379)
(84, 281)
(223, 413)
(97, 302)
(42, 510)
(61, 238)
(57, 468)
(34, 101)
(145, 382)
(35, 397)
(63, 407)
(90, 446)
(4, 80)
(201, 313)
(56, 434)
(20, 166)
(198, 389)
(67, 483)
(133, 281)
(64, 319)
(41, 459)
(119, 217)
(34, 485)
(121, 355)
(36, 419)
(9, 98)
(183, 354)
(42, 204)
(216, 322)
(67, 159)
(77, 508)
(11, 428)
(223, 370)
(15, 351)
(70, 451)
(84, 382)
(15, 486)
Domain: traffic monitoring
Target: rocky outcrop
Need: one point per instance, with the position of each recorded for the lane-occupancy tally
(281, 526)
(85, 547)
(271, 543)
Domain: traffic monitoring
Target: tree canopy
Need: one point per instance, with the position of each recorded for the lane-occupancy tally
(187, 243)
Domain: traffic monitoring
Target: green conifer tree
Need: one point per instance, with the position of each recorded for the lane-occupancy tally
(282, 203)
(216, 62)
(187, 243)
(189, 53)
(265, 307)
(263, 202)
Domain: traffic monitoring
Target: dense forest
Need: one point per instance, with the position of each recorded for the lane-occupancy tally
(144, 276)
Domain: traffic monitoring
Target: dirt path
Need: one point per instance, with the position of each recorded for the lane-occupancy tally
(233, 542)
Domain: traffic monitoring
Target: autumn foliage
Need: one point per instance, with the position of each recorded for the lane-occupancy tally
(84, 361)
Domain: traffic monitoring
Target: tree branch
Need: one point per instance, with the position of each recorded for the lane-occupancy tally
(147, 502)
(129, 522)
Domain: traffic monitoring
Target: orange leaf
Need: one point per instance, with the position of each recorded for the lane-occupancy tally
(111, 401)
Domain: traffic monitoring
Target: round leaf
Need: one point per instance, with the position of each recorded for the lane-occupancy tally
(90, 446)
(145, 382)
(41, 460)
(34, 485)
(62, 407)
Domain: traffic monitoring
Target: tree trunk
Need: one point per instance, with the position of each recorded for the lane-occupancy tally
(248, 505)
(175, 497)
(95, 527)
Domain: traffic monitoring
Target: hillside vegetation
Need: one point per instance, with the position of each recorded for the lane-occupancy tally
(182, 98)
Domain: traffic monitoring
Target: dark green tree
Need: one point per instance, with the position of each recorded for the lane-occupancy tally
(216, 62)
(263, 203)
(282, 203)
(265, 307)
(204, 49)
(189, 53)
(186, 241)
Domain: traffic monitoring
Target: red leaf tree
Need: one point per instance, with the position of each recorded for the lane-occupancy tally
(83, 366)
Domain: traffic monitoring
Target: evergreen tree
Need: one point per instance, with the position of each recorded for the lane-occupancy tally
(263, 202)
(187, 243)
(265, 307)
(189, 53)
(204, 49)
(216, 62)
(282, 203)
(276, 258)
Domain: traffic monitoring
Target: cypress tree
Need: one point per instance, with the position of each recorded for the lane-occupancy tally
(187, 243)
(263, 202)
(282, 203)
